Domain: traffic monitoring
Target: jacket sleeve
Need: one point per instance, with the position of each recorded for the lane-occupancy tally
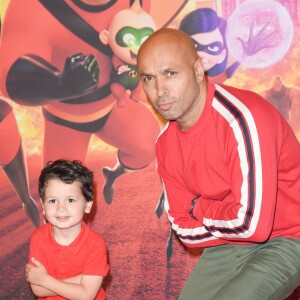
(252, 150)
(177, 200)
(251, 142)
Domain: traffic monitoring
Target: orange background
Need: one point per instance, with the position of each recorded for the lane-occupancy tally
(136, 238)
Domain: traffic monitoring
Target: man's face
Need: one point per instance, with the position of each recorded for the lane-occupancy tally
(170, 80)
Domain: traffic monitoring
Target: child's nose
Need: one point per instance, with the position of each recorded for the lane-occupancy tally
(61, 206)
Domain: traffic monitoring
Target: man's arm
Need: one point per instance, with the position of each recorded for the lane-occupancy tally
(190, 231)
(252, 149)
(249, 144)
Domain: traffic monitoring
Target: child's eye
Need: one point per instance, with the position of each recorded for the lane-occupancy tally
(71, 200)
(51, 201)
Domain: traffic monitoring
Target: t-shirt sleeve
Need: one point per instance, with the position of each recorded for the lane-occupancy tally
(96, 259)
(37, 247)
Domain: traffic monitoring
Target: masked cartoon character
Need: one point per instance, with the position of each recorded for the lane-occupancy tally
(208, 31)
(127, 30)
(12, 159)
(51, 56)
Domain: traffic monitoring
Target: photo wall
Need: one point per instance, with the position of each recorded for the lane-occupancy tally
(69, 88)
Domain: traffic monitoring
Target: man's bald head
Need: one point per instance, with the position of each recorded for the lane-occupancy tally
(172, 76)
(171, 38)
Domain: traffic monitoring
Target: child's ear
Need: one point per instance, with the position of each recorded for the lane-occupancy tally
(103, 36)
(43, 208)
(88, 206)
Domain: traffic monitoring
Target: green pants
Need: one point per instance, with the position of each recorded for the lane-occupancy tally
(257, 272)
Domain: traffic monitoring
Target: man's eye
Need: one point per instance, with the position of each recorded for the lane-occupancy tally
(171, 73)
(147, 78)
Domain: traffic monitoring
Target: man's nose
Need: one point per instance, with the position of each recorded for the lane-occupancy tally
(161, 88)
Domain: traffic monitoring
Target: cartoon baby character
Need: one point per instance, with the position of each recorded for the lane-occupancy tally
(128, 29)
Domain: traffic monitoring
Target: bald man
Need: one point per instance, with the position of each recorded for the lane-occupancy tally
(230, 168)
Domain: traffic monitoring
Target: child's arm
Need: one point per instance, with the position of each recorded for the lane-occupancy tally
(40, 291)
(42, 282)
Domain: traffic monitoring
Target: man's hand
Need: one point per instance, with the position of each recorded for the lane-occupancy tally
(35, 274)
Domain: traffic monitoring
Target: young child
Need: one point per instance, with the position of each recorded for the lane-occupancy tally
(67, 258)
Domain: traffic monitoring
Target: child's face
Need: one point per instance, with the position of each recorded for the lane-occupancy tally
(64, 204)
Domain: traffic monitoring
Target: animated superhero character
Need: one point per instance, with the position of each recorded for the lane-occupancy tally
(127, 30)
(13, 162)
(12, 159)
(208, 31)
(286, 100)
(50, 57)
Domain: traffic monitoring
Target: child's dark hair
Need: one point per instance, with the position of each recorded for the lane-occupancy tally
(68, 172)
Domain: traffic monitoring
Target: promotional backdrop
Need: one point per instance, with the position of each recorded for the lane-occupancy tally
(69, 89)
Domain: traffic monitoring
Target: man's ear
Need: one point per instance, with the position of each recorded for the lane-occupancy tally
(88, 206)
(103, 36)
(199, 71)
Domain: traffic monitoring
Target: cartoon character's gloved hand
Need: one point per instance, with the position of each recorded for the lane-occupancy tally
(33, 81)
(80, 75)
(259, 41)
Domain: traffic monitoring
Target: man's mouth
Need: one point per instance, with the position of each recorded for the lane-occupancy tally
(165, 106)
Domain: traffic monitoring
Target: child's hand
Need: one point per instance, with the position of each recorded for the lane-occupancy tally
(35, 274)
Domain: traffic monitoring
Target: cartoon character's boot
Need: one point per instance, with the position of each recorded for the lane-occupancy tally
(160, 206)
(16, 172)
(159, 211)
(110, 175)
